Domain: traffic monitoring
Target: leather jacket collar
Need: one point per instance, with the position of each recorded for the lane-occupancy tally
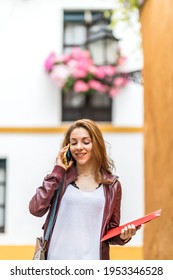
(72, 174)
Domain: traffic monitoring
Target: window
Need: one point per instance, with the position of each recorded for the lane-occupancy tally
(2, 193)
(97, 106)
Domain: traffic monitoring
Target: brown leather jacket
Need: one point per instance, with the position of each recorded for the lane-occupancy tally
(41, 203)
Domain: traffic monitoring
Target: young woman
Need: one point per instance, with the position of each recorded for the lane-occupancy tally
(90, 200)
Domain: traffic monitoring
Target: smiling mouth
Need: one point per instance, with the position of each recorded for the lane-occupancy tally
(80, 155)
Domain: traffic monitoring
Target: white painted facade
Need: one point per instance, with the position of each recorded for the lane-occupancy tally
(29, 30)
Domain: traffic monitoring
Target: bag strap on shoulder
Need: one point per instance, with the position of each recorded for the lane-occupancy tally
(53, 211)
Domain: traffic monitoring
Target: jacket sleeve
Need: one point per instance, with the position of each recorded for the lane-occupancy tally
(41, 201)
(115, 218)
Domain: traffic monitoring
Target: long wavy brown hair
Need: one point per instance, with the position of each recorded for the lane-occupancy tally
(102, 161)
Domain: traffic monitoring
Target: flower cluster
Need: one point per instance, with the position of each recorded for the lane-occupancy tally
(76, 72)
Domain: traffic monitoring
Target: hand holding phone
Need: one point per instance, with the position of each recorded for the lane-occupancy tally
(67, 157)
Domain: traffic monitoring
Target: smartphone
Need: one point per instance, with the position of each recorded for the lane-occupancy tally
(67, 156)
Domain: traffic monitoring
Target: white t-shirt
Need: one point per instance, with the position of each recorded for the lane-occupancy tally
(77, 230)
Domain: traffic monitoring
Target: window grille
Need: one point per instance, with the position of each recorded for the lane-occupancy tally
(76, 106)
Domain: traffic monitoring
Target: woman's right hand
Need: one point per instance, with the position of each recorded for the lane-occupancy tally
(60, 158)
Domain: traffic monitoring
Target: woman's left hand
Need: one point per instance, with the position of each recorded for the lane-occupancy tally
(128, 231)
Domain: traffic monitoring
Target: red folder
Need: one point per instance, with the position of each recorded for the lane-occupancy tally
(115, 231)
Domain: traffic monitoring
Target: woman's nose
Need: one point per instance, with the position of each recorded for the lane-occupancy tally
(79, 145)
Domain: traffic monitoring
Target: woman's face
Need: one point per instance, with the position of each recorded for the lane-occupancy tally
(81, 146)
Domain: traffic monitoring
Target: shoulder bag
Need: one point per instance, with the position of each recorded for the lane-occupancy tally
(40, 247)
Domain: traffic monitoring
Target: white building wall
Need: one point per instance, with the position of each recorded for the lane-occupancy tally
(29, 30)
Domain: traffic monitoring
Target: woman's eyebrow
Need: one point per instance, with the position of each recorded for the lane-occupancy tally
(83, 138)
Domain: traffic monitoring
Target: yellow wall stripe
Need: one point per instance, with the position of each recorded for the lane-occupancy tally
(26, 253)
(126, 253)
(63, 128)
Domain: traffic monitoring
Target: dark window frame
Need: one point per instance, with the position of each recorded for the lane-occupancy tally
(3, 166)
(101, 113)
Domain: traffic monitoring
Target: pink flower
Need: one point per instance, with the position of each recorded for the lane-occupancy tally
(98, 72)
(49, 62)
(78, 69)
(113, 92)
(78, 54)
(120, 81)
(59, 74)
(78, 74)
(80, 60)
(80, 86)
(84, 64)
(121, 60)
(63, 58)
(109, 70)
(96, 85)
